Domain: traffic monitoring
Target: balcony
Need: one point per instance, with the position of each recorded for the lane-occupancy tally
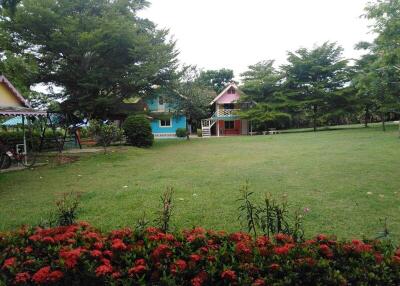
(226, 113)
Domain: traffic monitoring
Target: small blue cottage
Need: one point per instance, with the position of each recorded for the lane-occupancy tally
(165, 119)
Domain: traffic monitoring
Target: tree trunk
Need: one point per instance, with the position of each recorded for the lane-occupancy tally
(315, 118)
(383, 122)
(187, 129)
(366, 116)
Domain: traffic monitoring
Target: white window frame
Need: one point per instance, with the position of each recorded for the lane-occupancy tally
(165, 126)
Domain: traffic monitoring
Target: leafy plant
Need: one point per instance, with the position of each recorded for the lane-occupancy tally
(165, 214)
(271, 218)
(181, 132)
(105, 134)
(67, 209)
(137, 130)
(248, 210)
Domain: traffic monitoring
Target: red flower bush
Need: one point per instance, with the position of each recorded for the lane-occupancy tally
(82, 255)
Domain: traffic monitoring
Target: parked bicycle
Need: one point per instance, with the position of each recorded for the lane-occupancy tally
(17, 154)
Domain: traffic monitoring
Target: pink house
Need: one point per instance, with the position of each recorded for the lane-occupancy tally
(225, 121)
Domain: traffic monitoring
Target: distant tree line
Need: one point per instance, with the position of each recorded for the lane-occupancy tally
(94, 54)
(319, 87)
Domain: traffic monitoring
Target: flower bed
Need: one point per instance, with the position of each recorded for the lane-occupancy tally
(79, 254)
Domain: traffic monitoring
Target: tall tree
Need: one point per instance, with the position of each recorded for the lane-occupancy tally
(216, 79)
(261, 82)
(98, 51)
(313, 77)
(193, 96)
(386, 47)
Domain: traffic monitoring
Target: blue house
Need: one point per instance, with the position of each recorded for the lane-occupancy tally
(165, 119)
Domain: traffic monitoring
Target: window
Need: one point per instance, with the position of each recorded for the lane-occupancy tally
(229, 124)
(231, 91)
(165, 122)
(229, 106)
(161, 100)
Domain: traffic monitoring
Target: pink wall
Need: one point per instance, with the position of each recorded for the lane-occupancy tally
(228, 98)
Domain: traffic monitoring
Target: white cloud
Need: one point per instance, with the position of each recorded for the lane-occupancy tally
(233, 34)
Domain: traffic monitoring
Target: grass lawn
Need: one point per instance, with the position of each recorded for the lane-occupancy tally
(329, 172)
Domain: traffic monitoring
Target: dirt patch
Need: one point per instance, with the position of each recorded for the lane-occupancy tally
(63, 159)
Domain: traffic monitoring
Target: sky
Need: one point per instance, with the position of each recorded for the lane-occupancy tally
(234, 34)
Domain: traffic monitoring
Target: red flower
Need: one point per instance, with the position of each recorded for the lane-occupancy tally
(281, 250)
(42, 275)
(116, 275)
(199, 279)
(108, 253)
(28, 249)
(96, 253)
(258, 282)
(211, 258)
(121, 233)
(55, 276)
(262, 241)
(396, 259)
(118, 244)
(378, 257)
(35, 237)
(22, 278)
(161, 251)
(280, 237)
(9, 263)
(242, 248)
(195, 257)
(326, 250)
(98, 245)
(322, 237)
(274, 266)
(140, 261)
(137, 270)
(103, 270)
(70, 257)
(229, 275)
(179, 266)
(48, 240)
(240, 236)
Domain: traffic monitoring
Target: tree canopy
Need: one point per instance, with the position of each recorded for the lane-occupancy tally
(98, 51)
(216, 79)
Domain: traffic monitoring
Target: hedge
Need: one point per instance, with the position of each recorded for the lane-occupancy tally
(17, 137)
(81, 255)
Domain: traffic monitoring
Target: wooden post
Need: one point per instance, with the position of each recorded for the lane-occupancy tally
(23, 131)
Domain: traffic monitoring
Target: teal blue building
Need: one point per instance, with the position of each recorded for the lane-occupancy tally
(165, 119)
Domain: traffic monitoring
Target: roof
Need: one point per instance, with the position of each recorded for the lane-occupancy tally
(13, 121)
(232, 84)
(14, 91)
(15, 111)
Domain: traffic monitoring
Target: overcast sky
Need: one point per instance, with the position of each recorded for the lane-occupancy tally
(234, 34)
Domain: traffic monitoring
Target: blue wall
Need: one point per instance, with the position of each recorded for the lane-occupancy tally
(152, 103)
(177, 122)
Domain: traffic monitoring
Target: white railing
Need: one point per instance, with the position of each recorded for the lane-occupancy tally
(226, 112)
(207, 123)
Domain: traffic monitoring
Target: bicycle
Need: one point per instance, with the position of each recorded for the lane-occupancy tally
(7, 155)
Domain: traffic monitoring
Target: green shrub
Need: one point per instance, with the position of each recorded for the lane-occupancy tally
(11, 138)
(181, 132)
(105, 134)
(199, 132)
(137, 130)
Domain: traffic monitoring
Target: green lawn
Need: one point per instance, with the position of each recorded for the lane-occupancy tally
(329, 172)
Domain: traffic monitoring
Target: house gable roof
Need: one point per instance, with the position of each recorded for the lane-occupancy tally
(222, 93)
(14, 91)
